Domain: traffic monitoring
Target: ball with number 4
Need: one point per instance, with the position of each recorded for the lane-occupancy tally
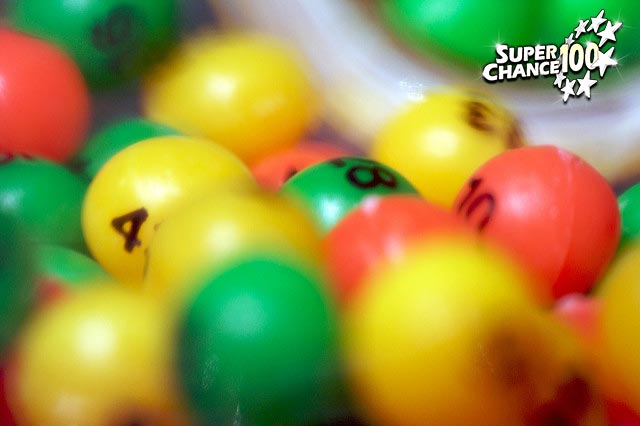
(438, 142)
(549, 209)
(331, 189)
(143, 184)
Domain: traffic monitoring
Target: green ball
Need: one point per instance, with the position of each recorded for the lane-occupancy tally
(258, 346)
(561, 17)
(67, 267)
(629, 204)
(112, 41)
(331, 189)
(464, 30)
(17, 288)
(113, 139)
(44, 198)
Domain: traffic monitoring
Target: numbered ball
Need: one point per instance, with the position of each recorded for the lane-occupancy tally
(273, 171)
(111, 40)
(113, 139)
(219, 229)
(17, 286)
(449, 336)
(100, 357)
(453, 29)
(44, 103)
(378, 232)
(141, 186)
(271, 332)
(629, 205)
(439, 142)
(552, 211)
(331, 189)
(44, 197)
(248, 93)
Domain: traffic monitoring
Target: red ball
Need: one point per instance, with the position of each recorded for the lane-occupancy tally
(273, 171)
(6, 417)
(619, 414)
(44, 102)
(552, 211)
(379, 231)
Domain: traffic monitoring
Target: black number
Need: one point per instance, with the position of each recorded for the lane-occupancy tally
(117, 29)
(472, 202)
(478, 114)
(376, 176)
(136, 218)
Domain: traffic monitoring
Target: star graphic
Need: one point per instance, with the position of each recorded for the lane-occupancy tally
(586, 84)
(609, 33)
(559, 79)
(569, 40)
(581, 28)
(597, 21)
(604, 61)
(567, 90)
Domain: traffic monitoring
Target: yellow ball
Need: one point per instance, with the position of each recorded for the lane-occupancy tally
(219, 229)
(100, 357)
(449, 337)
(246, 92)
(141, 186)
(439, 142)
(620, 324)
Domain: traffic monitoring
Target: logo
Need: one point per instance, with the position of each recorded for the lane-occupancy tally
(587, 62)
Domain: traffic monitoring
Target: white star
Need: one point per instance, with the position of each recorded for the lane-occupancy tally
(581, 28)
(597, 21)
(567, 90)
(604, 61)
(559, 79)
(586, 84)
(609, 33)
(569, 40)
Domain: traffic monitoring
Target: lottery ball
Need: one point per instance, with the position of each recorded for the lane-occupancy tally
(6, 418)
(449, 336)
(439, 142)
(44, 197)
(331, 189)
(218, 229)
(113, 139)
(273, 171)
(379, 231)
(44, 103)
(454, 29)
(17, 289)
(141, 186)
(248, 93)
(552, 211)
(620, 317)
(100, 357)
(270, 330)
(112, 41)
(629, 205)
(582, 313)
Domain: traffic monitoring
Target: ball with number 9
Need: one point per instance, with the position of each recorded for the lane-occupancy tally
(140, 186)
(552, 211)
(438, 142)
(331, 189)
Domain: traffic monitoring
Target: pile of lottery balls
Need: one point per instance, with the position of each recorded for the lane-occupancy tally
(210, 263)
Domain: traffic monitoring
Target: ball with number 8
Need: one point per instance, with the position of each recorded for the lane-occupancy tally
(331, 189)
(140, 186)
(439, 142)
